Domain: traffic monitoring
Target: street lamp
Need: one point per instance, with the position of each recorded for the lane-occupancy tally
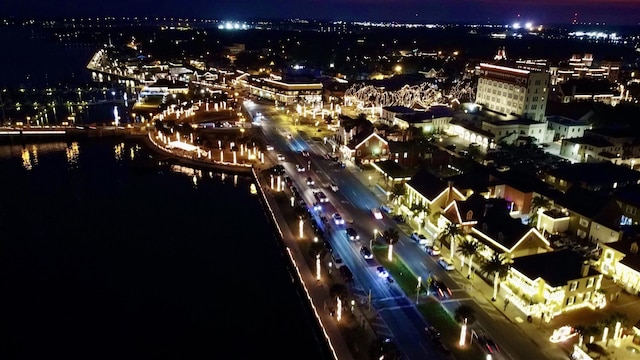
(418, 289)
(369, 180)
(375, 234)
(317, 266)
(463, 333)
(301, 223)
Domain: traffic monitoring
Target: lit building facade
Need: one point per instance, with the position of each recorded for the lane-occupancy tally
(285, 93)
(513, 91)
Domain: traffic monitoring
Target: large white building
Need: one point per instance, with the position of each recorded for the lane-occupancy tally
(513, 91)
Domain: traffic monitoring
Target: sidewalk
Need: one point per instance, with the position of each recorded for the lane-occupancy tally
(317, 291)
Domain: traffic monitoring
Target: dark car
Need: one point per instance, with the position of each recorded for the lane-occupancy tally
(327, 245)
(486, 343)
(346, 273)
(440, 289)
(432, 332)
(352, 234)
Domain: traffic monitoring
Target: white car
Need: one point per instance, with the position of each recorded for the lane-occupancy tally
(334, 187)
(337, 218)
(269, 147)
(420, 239)
(433, 250)
(280, 157)
(300, 168)
(376, 213)
(445, 264)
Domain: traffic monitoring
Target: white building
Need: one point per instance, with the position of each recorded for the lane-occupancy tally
(513, 91)
(566, 128)
(512, 130)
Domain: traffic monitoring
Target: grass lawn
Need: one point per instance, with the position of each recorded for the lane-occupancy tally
(431, 310)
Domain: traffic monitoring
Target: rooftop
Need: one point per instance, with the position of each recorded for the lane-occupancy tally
(556, 268)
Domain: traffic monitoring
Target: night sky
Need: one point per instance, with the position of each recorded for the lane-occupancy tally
(614, 12)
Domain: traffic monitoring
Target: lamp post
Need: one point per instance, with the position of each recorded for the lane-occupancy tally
(318, 267)
(463, 333)
(301, 233)
(418, 289)
(375, 234)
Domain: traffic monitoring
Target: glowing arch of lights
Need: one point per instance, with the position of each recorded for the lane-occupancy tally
(425, 95)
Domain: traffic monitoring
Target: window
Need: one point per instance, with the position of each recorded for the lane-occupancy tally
(571, 300)
(587, 296)
(358, 153)
(573, 286)
(584, 222)
(406, 155)
(590, 283)
(631, 210)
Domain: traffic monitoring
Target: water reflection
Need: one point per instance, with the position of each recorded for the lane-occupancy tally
(73, 153)
(26, 159)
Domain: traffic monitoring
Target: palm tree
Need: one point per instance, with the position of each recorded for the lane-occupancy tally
(469, 248)
(422, 209)
(317, 248)
(392, 236)
(465, 312)
(538, 202)
(497, 266)
(451, 232)
(338, 290)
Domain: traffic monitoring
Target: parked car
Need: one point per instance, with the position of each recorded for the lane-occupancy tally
(280, 157)
(366, 253)
(327, 245)
(352, 234)
(269, 147)
(398, 218)
(337, 260)
(334, 187)
(388, 208)
(337, 219)
(300, 168)
(376, 213)
(433, 250)
(421, 239)
(445, 264)
(346, 273)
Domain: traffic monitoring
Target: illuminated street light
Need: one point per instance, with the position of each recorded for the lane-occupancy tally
(301, 223)
(418, 289)
(317, 266)
(463, 333)
(293, 199)
(339, 312)
(375, 234)
(390, 253)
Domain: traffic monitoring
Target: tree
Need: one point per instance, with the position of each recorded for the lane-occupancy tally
(392, 236)
(398, 191)
(469, 248)
(497, 266)
(338, 290)
(451, 232)
(538, 202)
(463, 312)
(317, 248)
(422, 210)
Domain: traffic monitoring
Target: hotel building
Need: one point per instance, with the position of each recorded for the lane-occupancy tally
(513, 91)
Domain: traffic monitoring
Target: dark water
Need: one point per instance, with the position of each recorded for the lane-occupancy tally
(104, 255)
